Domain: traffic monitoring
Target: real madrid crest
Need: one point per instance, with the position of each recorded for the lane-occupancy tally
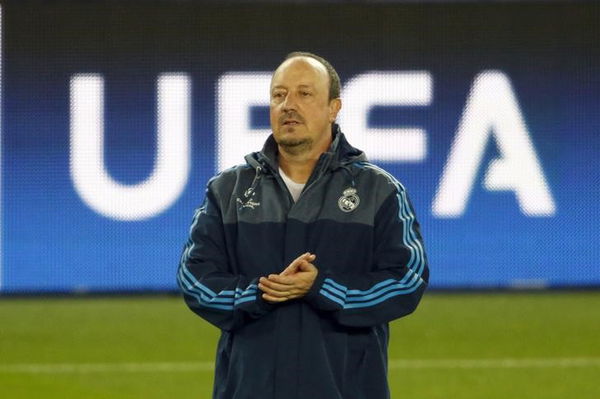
(349, 200)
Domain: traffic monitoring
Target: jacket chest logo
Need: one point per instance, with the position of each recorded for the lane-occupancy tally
(349, 200)
(247, 202)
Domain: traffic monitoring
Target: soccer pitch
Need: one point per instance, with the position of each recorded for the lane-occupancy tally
(498, 345)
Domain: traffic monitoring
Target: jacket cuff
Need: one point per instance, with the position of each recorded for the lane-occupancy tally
(257, 308)
(316, 299)
(262, 305)
(316, 287)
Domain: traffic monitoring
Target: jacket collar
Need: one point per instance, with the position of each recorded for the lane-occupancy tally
(340, 153)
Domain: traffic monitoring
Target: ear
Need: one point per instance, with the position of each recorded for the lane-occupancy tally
(334, 107)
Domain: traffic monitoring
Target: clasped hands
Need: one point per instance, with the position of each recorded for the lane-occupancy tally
(292, 283)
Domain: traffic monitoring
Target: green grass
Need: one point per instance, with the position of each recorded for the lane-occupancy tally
(446, 329)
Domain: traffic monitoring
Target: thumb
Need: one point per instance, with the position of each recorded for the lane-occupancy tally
(306, 267)
(293, 267)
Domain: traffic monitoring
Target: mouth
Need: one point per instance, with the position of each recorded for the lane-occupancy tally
(291, 122)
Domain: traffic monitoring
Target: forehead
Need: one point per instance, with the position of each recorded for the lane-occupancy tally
(300, 71)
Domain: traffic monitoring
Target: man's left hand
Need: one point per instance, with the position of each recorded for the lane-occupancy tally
(294, 282)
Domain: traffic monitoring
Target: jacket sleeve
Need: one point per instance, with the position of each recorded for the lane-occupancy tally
(394, 285)
(210, 289)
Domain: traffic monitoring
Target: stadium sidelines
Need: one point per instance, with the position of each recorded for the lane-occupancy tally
(501, 363)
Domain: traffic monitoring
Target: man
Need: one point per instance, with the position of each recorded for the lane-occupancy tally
(303, 255)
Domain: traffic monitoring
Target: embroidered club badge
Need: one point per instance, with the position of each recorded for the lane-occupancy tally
(349, 200)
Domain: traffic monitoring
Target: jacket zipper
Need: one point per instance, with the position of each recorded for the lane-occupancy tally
(317, 174)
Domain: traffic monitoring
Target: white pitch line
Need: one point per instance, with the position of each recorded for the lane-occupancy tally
(502, 363)
(86, 368)
(394, 364)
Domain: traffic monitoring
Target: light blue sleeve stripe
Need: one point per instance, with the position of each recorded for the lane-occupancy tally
(410, 232)
(336, 285)
(195, 282)
(375, 287)
(219, 303)
(239, 301)
(198, 285)
(248, 288)
(251, 292)
(412, 235)
(333, 290)
(379, 293)
(224, 296)
(189, 288)
(379, 300)
(247, 295)
(201, 300)
(333, 298)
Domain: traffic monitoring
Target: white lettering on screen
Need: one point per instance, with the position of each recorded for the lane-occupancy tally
(236, 94)
(172, 162)
(492, 111)
(371, 89)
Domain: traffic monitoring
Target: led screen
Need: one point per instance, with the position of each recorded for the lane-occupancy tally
(116, 114)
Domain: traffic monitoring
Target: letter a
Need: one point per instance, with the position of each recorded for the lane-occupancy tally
(492, 110)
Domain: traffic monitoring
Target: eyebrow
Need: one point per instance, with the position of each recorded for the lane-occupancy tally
(283, 87)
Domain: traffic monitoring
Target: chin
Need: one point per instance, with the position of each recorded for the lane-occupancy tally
(295, 145)
(289, 134)
(292, 141)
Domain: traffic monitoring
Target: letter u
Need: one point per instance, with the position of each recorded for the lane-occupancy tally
(172, 164)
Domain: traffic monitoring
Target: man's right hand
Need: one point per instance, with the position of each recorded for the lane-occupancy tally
(292, 283)
(294, 266)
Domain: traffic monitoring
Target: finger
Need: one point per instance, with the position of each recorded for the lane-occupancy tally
(276, 278)
(303, 267)
(279, 279)
(282, 279)
(293, 266)
(273, 299)
(301, 257)
(273, 292)
(302, 263)
(274, 285)
(306, 267)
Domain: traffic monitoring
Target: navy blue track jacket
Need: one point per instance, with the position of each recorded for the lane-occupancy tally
(332, 343)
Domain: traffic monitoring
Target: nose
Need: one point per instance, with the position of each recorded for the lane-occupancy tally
(289, 103)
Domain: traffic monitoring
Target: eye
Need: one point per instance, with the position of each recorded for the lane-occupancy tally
(277, 95)
(305, 93)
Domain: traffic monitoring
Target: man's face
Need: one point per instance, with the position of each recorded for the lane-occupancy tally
(301, 113)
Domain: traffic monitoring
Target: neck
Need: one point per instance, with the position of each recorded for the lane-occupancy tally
(299, 166)
(296, 167)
